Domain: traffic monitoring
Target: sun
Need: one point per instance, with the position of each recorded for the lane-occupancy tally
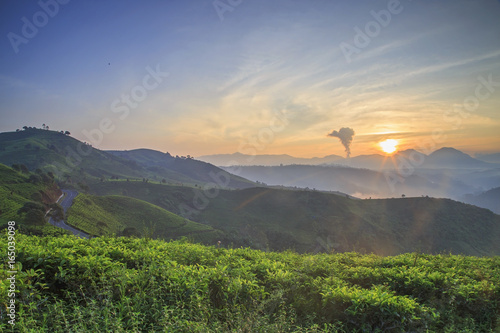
(389, 146)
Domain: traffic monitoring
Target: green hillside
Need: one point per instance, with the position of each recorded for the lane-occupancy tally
(202, 172)
(74, 162)
(25, 197)
(68, 158)
(119, 215)
(66, 284)
(310, 221)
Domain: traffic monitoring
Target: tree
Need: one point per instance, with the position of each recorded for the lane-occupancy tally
(24, 168)
(403, 196)
(35, 217)
(36, 197)
(34, 213)
(57, 212)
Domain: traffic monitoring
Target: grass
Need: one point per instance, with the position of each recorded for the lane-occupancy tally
(142, 285)
(107, 215)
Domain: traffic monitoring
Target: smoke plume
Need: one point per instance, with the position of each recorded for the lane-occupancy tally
(345, 134)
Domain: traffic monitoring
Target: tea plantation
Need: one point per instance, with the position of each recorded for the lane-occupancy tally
(107, 284)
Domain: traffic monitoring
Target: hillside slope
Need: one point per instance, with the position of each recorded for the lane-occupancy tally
(203, 172)
(17, 188)
(489, 200)
(73, 161)
(308, 221)
(25, 197)
(119, 215)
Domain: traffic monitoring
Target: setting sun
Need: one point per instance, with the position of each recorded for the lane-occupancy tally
(389, 146)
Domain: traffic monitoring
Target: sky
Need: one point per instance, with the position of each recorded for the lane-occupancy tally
(204, 77)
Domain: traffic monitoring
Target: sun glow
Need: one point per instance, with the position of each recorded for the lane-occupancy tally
(389, 146)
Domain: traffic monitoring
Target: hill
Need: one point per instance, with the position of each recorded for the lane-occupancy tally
(118, 215)
(198, 171)
(489, 199)
(139, 285)
(307, 221)
(73, 162)
(25, 197)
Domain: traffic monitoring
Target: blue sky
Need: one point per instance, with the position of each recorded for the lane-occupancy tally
(269, 77)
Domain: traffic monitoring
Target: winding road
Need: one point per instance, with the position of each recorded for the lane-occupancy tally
(67, 201)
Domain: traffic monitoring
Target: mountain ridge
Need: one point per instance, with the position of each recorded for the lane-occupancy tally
(445, 157)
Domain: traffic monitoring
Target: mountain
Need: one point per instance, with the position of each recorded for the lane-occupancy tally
(452, 158)
(442, 158)
(489, 199)
(73, 162)
(307, 221)
(199, 171)
(266, 160)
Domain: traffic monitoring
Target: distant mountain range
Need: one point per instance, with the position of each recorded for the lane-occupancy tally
(444, 158)
(266, 160)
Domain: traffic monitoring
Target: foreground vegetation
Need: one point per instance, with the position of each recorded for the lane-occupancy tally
(107, 284)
